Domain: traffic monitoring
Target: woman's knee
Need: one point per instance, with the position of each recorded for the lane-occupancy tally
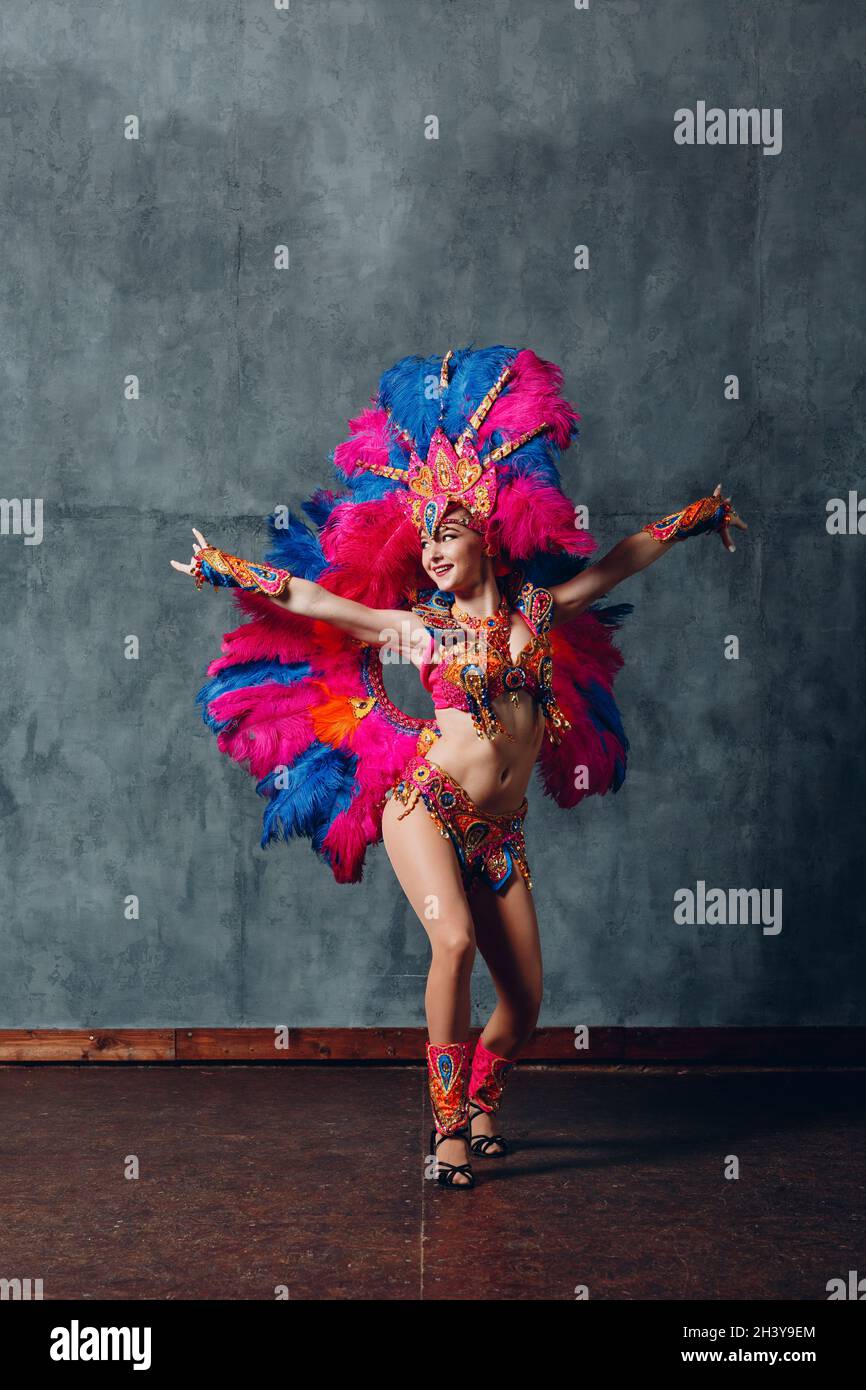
(535, 999)
(453, 944)
(525, 1006)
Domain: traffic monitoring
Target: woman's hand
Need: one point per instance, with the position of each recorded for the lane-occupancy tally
(632, 554)
(733, 520)
(202, 545)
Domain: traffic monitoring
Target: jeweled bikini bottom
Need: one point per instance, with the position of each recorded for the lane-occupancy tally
(487, 846)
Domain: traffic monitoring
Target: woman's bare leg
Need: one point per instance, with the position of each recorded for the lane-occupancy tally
(428, 871)
(506, 930)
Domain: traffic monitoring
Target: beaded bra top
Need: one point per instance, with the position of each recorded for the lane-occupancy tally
(472, 680)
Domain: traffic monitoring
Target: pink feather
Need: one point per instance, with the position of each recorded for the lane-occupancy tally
(270, 724)
(373, 552)
(583, 652)
(532, 397)
(531, 515)
(370, 439)
(382, 753)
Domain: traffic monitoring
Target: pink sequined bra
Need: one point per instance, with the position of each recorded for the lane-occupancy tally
(464, 682)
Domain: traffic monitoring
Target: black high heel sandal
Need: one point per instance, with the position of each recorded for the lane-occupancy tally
(479, 1144)
(445, 1171)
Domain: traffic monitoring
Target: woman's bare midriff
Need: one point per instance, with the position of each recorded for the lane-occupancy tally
(494, 772)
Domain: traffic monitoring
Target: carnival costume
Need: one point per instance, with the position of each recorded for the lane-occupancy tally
(303, 705)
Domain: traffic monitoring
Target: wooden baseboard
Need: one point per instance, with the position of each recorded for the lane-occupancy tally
(634, 1046)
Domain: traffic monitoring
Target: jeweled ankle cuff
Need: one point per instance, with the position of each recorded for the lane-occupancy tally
(489, 1075)
(448, 1081)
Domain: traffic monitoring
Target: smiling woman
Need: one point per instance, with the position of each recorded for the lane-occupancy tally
(454, 549)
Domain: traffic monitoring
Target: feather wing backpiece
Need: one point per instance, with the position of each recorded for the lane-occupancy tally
(303, 706)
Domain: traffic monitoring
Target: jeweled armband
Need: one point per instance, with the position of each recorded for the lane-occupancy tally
(221, 569)
(707, 514)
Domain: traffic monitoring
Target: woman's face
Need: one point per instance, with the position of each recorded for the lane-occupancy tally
(453, 558)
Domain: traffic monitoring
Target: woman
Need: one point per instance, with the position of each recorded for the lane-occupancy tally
(452, 820)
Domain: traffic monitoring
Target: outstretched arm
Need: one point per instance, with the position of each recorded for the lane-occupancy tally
(392, 627)
(635, 552)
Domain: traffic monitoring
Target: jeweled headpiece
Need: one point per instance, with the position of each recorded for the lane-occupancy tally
(453, 473)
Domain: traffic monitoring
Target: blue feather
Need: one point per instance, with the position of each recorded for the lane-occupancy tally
(471, 376)
(404, 390)
(320, 784)
(319, 507)
(245, 674)
(408, 389)
(603, 712)
(368, 487)
(295, 547)
(611, 614)
(534, 459)
(546, 568)
(364, 486)
(397, 456)
(604, 715)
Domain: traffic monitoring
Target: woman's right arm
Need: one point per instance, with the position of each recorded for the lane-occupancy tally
(398, 629)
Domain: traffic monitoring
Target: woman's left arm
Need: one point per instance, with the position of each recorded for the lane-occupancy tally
(713, 513)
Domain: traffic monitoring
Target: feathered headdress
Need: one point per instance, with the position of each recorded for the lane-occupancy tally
(303, 705)
(453, 472)
(483, 429)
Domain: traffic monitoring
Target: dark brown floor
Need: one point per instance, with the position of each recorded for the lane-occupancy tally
(313, 1178)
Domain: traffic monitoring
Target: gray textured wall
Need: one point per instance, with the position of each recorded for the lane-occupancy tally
(155, 257)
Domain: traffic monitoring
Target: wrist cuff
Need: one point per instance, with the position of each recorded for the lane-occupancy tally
(707, 514)
(221, 569)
